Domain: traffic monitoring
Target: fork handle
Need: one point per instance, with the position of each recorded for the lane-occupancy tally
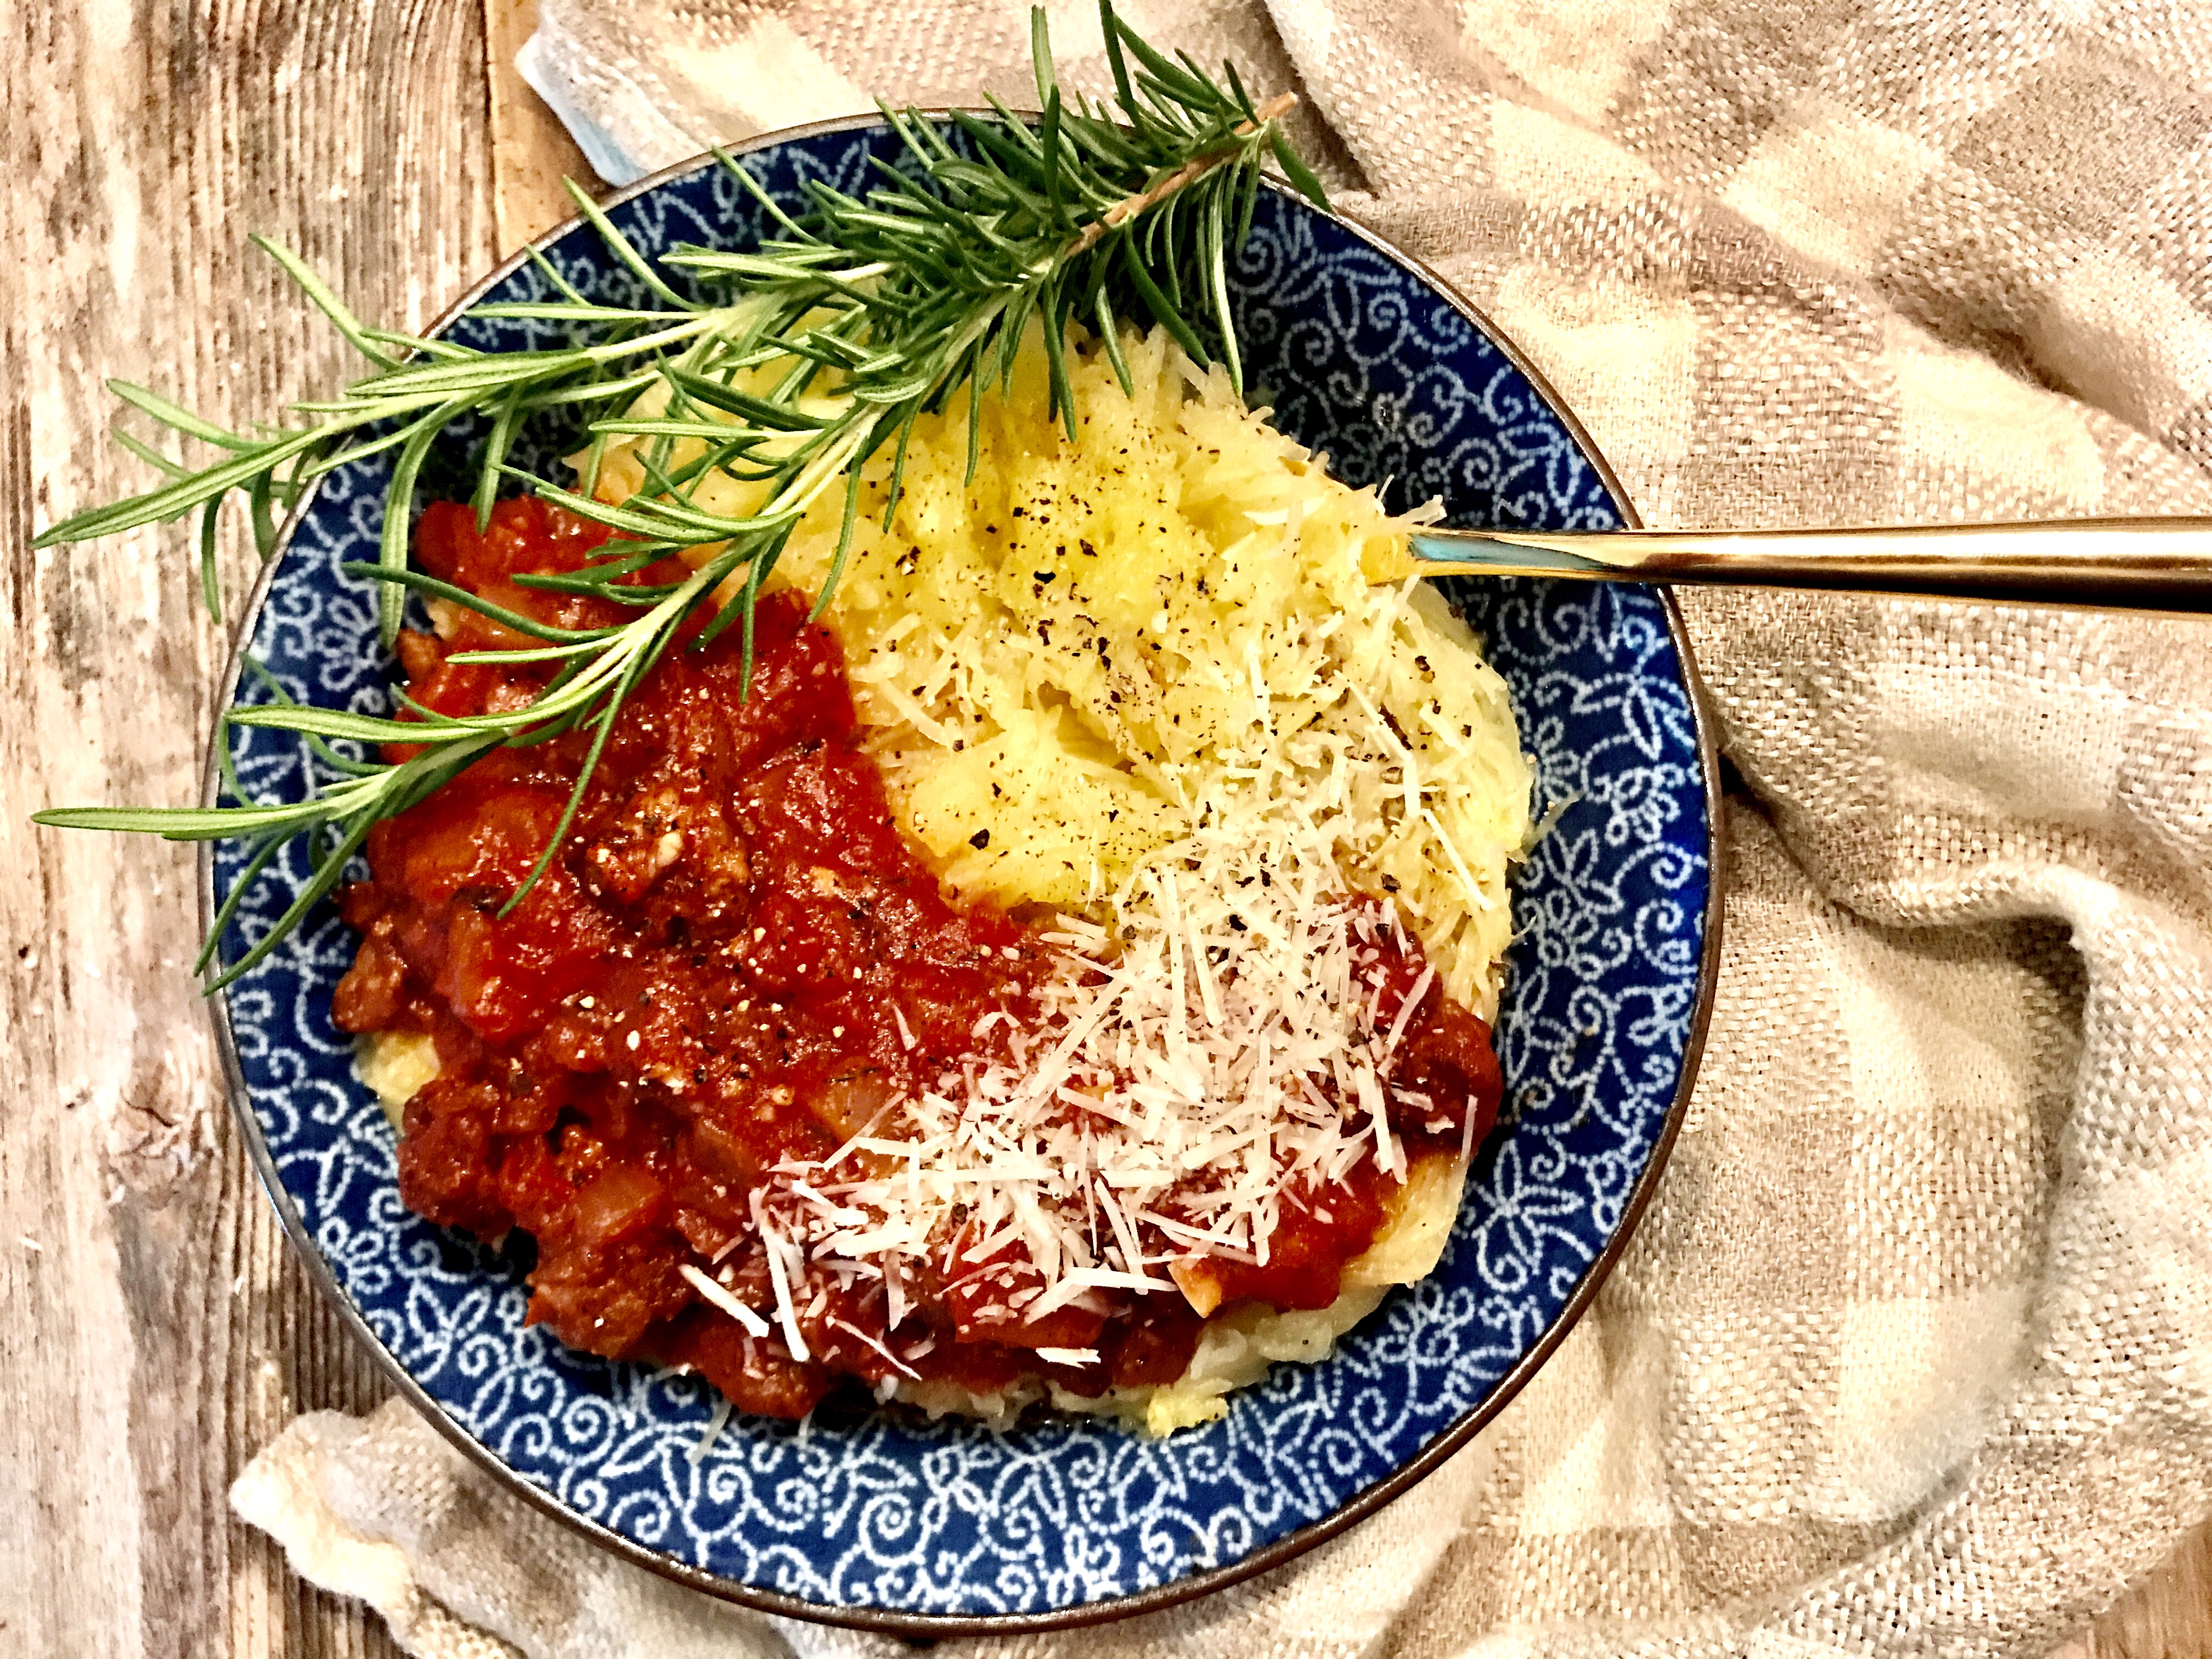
(2159, 564)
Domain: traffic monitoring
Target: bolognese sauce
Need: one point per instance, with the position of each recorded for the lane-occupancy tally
(732, 964)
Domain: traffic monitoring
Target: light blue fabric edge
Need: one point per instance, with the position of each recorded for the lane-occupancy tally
(608, 158)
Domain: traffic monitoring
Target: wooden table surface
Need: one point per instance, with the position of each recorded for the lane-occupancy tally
(154, 1331)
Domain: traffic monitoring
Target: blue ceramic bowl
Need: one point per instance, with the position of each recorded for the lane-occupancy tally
(933, 1528)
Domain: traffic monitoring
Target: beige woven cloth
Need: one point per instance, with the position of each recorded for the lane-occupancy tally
(1913, 1353)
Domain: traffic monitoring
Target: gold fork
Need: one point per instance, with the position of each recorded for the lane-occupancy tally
(2161, 564)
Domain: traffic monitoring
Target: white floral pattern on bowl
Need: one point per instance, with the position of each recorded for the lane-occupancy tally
(885, 1520)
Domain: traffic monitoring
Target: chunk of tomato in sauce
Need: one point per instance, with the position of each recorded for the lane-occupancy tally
(1317, 1234)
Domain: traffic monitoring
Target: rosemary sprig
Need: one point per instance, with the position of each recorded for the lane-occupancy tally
(856, 318)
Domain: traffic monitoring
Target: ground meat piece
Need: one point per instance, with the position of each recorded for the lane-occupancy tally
(1446, 1056)
(446, 1169)
(373, 991)
(1156, 1346)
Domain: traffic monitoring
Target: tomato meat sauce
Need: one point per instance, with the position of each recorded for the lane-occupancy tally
(735, 960)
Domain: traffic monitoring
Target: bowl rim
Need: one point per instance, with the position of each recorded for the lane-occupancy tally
(922, 1626)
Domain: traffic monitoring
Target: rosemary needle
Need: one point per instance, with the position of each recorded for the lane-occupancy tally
(875, 309)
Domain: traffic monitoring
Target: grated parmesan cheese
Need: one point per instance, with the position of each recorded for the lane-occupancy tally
(1213, 1047)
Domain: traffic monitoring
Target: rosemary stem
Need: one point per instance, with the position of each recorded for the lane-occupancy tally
(1189, 173)
(861, 311)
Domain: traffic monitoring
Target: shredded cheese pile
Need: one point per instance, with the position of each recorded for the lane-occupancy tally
(1225, 1032)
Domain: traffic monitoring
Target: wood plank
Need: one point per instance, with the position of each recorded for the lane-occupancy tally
(531, 151)
(157, 1331)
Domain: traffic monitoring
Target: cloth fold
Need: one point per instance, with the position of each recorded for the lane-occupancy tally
(1913, 1350)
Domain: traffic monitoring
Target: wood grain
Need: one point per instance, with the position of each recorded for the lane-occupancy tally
(154, 1331)
(531, 152)
(2167, 1616)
